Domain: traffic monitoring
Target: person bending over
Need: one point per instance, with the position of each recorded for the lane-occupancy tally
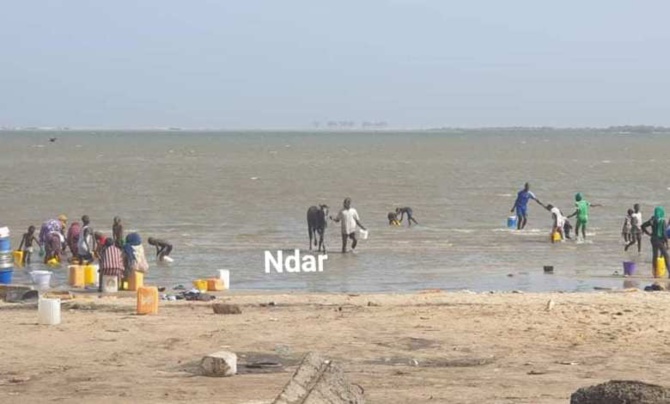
(408, 211)
(163, 248)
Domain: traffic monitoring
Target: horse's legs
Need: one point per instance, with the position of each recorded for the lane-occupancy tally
(309, 231)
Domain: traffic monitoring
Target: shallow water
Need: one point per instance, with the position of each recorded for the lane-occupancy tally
(224, 198)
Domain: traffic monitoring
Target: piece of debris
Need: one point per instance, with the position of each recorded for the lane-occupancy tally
(219, 364)
(14, 293)
(550, 305)
(319, 381)
(621, 392)
(373, 304)
(223, 308)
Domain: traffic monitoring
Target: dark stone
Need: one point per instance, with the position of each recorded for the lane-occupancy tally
(222, 308)
(621, 392)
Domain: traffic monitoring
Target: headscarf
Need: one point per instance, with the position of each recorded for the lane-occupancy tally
(659, 218)
(578, 196)
(132, 239)
(48, 227)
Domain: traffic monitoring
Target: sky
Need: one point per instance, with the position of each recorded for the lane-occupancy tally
(291, 64)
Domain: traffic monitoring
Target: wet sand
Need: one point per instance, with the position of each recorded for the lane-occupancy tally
(428, 347)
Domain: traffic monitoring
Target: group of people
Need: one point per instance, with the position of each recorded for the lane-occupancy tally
(117, 255)
(633, 227)
(560, 223)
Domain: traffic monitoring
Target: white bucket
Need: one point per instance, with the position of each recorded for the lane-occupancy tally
(41, 278)
(4, 232)
(363, 233)
(224, 275)
(48, 311)
(110, 284)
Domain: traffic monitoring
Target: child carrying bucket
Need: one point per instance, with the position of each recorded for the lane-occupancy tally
(27, 245)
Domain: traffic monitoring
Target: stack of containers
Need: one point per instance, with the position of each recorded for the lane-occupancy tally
(6, 257)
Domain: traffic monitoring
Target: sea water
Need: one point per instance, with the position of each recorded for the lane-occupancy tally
(224, 198)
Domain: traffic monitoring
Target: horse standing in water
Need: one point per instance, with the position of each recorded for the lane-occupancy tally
(316, 224)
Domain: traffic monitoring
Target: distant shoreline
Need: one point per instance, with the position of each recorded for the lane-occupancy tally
(638, 129)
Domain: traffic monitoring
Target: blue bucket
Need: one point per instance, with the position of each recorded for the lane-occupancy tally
(511, 222)
(6, 276)
(628, 268)
(5, 245)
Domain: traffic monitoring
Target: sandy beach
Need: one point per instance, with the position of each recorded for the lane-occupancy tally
(408, 348)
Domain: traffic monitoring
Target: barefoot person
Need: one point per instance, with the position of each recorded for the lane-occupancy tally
(521, 205)
(349, 218)
(27, 245)
(86, 242)
(582, 213)
(408, 211)
(558, 224)
(163, 249)
(111, 262)
(658, 234)
(635, 229)
(117, 232)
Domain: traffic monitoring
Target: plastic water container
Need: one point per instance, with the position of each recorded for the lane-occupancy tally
(224, 275)
(200, 284)
(4, 232)
(76, 277)
(511, 222)
(5, 244)
(660, 271)
(91, 274)
(214, 285)
(110, 284)
(53, 262)
(628, 268)
(6, 275)
(167, 260)
(18, 258)
(48, 311)
(147, 300)
(41, 278)
(363, 233)
(556, 236)
(135, 281)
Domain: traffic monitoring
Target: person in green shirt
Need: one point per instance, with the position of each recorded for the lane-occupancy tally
(582, 213)
(659, 235)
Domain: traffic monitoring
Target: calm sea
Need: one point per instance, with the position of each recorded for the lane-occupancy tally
(223, 199)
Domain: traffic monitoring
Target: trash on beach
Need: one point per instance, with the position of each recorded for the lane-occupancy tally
(219, 364)
(222, 308)
(548, 269)
(550, 305)
(317, 378)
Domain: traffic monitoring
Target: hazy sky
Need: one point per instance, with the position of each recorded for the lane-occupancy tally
(281, 64)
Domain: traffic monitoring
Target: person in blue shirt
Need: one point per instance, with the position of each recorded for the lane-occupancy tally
(521, 205)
